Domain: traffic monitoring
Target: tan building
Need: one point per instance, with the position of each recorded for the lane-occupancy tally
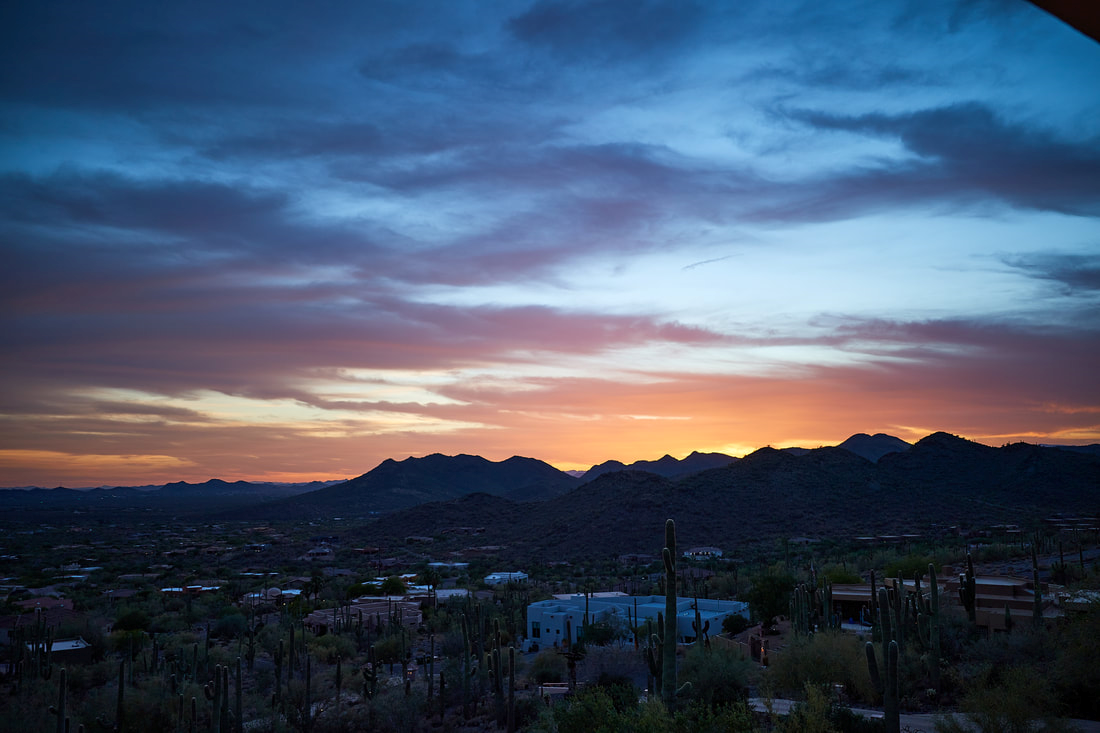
(993, 593)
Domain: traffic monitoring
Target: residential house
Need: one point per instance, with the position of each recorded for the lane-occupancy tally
(703, 553)
(375, 613)
(559, 622)
(993, 594)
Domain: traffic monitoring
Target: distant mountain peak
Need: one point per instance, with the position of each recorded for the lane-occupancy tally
(874, 447)
(666, 465)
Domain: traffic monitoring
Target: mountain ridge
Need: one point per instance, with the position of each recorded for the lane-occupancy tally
(943, 480)
(778, 487)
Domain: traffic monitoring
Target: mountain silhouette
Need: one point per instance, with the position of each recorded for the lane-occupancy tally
(770, 494)
(874, 447)
(394, 485)
(666, 466)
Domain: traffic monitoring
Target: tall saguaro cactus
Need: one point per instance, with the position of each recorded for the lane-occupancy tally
(238, 705)
(60, 710)
(668, 661)
(511, 689)
(1037, 606)
(968, 589)
(887, 683)
(934, 624)
(465, 668)
(654, 663)
(120, 708)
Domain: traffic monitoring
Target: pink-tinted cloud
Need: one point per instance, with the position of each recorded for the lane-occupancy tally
(236, 243)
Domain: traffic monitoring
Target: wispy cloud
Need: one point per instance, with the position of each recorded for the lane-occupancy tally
(966, 154)
(530, 223)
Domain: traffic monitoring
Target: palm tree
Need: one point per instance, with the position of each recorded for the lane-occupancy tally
(431, 578)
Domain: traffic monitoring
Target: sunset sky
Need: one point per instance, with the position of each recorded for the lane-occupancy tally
(287, 240)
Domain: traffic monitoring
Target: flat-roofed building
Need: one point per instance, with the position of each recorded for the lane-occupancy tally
(559, 622)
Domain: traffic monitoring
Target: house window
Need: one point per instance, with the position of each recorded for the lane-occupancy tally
(535, 630)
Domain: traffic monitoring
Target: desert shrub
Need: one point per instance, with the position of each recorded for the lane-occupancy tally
(388, 649)
(330, 646)
(608, 661)
(449, 644)
(600, 633)
(818, 713)
(734, 624)
(167, 623)
(132, 620)
(548, 666)
(1013, 700)
(84, 677)
(621, 690)
(125, 642)
(1076, 673)
(769, 595)
(839, 574)
(590, 711)
(718, 676)
(825, 659)
(393, 586)
(528, 708)
(700, 718)
(229, 626)
(394, 712)
(357, 590)
(908, 566)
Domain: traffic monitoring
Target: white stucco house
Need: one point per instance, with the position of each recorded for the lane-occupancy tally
(504, 578)
(546, 620)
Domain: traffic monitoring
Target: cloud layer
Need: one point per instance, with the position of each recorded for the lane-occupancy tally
(270, 241)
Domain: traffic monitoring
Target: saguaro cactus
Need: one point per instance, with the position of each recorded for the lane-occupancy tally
(238, 703)
(213, 692)
(465, 667)
(276, 697)
(307, 711)
(668, 661)
(511, 689)
(120, 722)
(370, 675)
(801, 599)
(701, 629)
(60, 710)
(653, 658)
(897, 605)
(887, 683)
(968, 589)
(886, 630)
(498, 674)
(930, 611)
(1037, 607)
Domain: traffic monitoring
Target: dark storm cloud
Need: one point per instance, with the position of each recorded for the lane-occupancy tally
(967, 152)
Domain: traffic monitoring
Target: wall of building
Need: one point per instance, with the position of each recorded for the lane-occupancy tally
(551, 623)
